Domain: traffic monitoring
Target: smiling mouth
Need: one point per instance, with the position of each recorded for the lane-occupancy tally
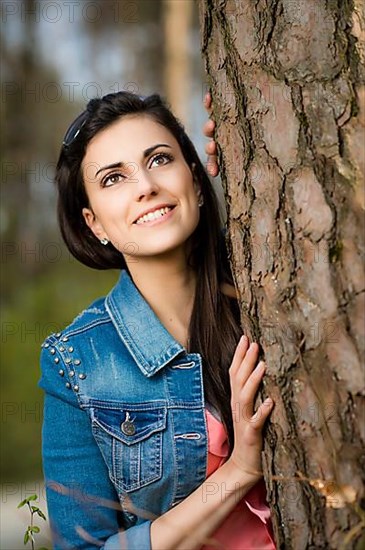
(155, 216)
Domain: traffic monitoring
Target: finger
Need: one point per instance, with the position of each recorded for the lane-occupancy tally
(208, 128)
(212, 167)
(248, 364)
(212, 161)
(238, 356)
(258, 420)
(211, 148)
(207, 100)
(248, 393)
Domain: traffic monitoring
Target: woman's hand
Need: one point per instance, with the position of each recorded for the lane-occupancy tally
(245, 380)
(211, 147)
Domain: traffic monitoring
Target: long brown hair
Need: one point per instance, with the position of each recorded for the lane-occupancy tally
(215, 322)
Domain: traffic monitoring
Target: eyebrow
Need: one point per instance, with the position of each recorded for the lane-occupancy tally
(146, 153)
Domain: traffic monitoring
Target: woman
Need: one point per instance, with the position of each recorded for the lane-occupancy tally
(149, 438)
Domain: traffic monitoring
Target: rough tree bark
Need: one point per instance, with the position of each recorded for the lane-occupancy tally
(287, 81)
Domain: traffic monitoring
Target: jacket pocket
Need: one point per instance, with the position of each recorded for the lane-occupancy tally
(130, 438)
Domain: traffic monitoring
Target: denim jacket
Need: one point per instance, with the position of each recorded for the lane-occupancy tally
(124, 430)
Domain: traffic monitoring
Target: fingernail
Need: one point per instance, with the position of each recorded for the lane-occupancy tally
(268, 401)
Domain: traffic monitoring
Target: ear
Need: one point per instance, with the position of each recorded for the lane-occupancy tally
(93, 223)
(197, 185)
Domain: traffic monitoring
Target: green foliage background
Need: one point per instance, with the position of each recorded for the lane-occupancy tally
(43, 302)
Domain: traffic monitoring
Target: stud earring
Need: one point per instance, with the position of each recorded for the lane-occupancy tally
(104, 241)
(201, 201)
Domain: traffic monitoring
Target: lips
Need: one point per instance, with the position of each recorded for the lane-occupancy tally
(164, 205)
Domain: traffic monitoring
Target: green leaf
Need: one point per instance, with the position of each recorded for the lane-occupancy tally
(26, 500)
(34, 508)
(40, 513)
(26, 537)
(34, 529)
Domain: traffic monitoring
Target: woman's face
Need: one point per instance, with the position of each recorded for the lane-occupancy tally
(133, 166)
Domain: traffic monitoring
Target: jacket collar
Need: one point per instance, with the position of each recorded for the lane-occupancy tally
(148, 341)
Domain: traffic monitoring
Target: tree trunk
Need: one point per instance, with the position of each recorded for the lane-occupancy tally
(287, 81)
(177, 15)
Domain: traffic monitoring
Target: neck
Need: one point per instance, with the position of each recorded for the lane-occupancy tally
(168, 285)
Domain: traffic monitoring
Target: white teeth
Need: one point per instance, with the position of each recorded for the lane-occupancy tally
(153, 215)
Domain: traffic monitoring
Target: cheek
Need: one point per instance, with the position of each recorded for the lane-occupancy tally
(186, 186)
(192, 213)
(109, 209)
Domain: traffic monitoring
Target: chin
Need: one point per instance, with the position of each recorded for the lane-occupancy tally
(161, 244)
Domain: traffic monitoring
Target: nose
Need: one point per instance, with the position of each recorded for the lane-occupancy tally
(145, 185)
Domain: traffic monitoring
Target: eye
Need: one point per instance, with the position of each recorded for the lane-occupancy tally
(112, 179)
(162, 157)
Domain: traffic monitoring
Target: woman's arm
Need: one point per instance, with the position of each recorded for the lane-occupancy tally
(83, 506)
(185, 526)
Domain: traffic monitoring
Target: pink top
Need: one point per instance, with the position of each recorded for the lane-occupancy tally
(248, 525)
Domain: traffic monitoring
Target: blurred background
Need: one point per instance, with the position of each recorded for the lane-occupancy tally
(55, 57)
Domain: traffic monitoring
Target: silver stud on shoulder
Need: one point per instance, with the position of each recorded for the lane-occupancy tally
(65, 339)
(56, 360)
(82, 376)
(68, 361)
(76, 388)
(72, 373)
(70, 349)
(58, 334)
(62, 348)
(68, 385)
(77, 362)
(53, 351)
(61, 372)
(46, 345)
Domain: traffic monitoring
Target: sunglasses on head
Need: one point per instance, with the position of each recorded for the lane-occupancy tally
(77, 125)
(75, 128)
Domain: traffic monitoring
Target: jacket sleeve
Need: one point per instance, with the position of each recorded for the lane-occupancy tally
(83, 506)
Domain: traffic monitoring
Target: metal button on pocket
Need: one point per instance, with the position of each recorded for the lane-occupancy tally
(127, 427)
(130, 437)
